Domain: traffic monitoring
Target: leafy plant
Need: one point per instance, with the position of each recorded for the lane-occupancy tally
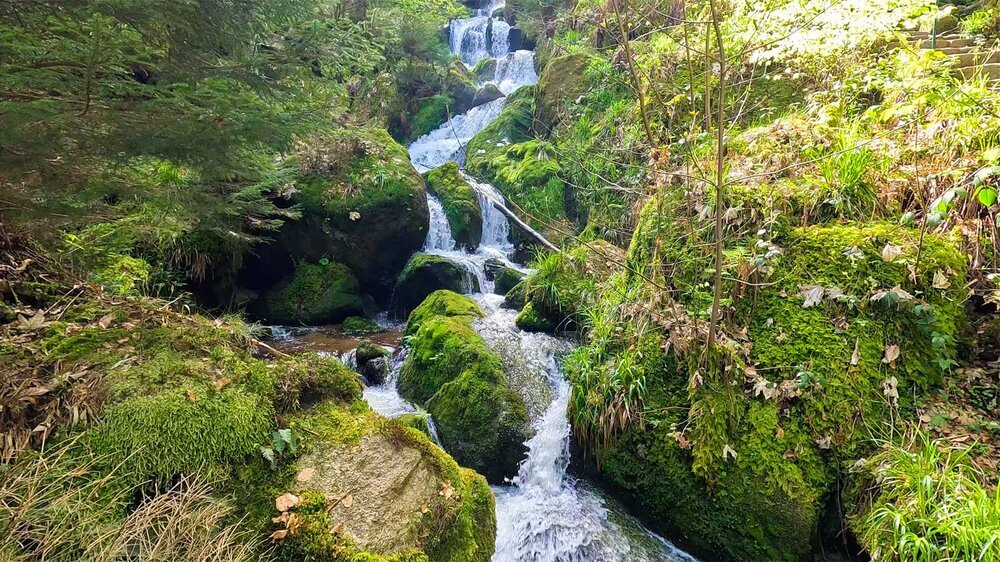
(283, 445)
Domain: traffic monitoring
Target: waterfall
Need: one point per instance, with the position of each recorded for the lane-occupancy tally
(515, 70)
(439, 236)
(447, 142)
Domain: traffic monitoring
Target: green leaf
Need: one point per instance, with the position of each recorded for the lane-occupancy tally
(987, 196)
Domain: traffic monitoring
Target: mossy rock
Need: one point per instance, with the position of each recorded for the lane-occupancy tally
(360, 326)
(461, 382)
(372, 362)
(486, 94)
(362, 203)
(315, 294)
(529, 321)
(523, 168)
(426, 273)
(310, 378)
(506, 279)
(749, 475)
(460, 203)
(443, 303)
(416, 421)
(430, 115)
(562, 81)
(409, 499)
(485, 70)
(461, 87)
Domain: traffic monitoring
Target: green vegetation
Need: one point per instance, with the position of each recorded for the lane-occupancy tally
(461, 205)
(461, 381)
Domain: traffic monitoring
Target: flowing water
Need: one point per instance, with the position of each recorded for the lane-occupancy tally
(544, 514)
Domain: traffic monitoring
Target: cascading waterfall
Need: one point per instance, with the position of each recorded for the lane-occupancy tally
(544, 515)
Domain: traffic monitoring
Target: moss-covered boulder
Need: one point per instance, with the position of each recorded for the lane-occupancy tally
(362, 204)
(505, 279)
(315, 294)
(530, 321)
(370, 487)
(485, 70)
(461, 382)
(562, 81)
(460, 203)
(372, 361)
(426, 273)
(740, 453)
(486, 94)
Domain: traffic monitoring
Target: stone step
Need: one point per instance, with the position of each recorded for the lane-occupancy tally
(971, 59)
(927, 35)
(945, 43)
(991, 71)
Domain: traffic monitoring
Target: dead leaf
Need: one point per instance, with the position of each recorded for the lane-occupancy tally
(856, 355)
(190, 396)
(728, 452)
(940, 280)
(890, 252)
(279, 534)
(824, 442)
(337, 528)
(305, 474)
(446, 490)
(780, 434)
(891, 354)
(220, 383)
(347, 501)
(890, 387)
(36, 322)
(354, 215)
(286, 501)
(424, 508)
(105, 321)
(682, 441)
(813, 295)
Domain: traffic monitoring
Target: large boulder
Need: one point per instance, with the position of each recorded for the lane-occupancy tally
(426, 273)
(460, 203)
(372, 487)
(561, 83)
(461, 382)
(740, 450)
(321, 293)
(486, 94)
(362, 204)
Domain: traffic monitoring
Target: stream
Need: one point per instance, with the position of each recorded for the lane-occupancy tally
(544, 514)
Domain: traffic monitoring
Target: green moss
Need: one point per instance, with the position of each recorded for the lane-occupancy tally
(460, 203)
(416, 421)
(485, 69)
(157, 437)
(506, 279)
(563, 282)
(529, 321)
(360, 326)
(316, 294)
(430, 115)
(562, 81)
(461, 381)
(310, 378)
(426, 273)
(443, 303)
(363, 205)
(366, 351)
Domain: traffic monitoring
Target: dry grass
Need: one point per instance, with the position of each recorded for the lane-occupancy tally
(53, 508)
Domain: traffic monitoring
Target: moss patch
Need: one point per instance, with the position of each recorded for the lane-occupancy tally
(460, 203)
(443, 303)
(316, 294)
(461, 381)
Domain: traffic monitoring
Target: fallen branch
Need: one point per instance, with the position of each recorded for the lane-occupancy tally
(524, 226)
(271, 350)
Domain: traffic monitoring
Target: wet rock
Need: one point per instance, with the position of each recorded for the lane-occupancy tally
(485, 70)
(486, 94)
(506, 279)
(373, 362)
(515, 37)
(426, 273)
